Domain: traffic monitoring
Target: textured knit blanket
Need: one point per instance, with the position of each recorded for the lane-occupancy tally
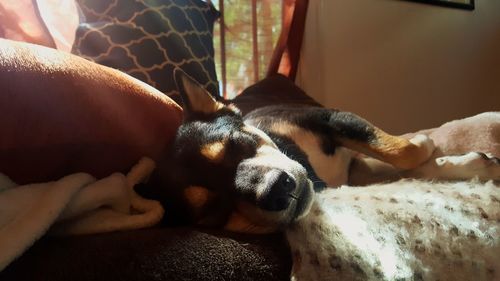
(405, 230)
(75, 204)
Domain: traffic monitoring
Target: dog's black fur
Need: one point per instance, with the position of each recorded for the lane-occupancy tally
(257, 165)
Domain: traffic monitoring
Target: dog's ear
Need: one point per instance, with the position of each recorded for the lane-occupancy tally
(195, 98)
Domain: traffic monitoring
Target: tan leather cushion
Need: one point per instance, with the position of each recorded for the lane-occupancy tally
(61, 114)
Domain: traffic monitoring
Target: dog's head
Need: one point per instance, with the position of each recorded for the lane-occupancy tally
(232, 171)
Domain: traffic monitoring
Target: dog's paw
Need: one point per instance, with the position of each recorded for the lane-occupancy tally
(473, 164)
(425, 143)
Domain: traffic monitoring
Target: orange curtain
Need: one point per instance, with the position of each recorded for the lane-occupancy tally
(50, 23)
(20, 21)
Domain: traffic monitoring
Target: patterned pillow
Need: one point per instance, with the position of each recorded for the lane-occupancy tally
(148, 39)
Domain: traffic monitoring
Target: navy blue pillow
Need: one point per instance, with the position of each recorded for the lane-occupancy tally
(148, 39)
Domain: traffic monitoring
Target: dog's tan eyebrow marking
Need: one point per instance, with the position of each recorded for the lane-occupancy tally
(215, 151)
(197, 197)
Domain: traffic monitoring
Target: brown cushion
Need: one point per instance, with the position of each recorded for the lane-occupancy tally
(273, 90)
(153, 255)
(62, 114)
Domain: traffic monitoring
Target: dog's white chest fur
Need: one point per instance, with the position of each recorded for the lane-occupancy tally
(406, 230)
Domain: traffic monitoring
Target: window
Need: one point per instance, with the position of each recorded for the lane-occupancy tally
(244, 41)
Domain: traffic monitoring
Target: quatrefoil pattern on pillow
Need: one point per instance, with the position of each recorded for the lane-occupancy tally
(148, 39)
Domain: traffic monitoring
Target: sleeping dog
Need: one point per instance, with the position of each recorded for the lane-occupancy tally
(258, 173)
(269, 171)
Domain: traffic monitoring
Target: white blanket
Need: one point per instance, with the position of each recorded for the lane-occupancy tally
(75, 204)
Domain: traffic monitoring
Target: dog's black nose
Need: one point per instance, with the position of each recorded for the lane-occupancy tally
(278, 195)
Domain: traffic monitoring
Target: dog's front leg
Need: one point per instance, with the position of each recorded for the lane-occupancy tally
(366, 170)
(459, 167)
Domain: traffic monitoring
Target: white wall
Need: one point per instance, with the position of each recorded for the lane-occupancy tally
(402, 65)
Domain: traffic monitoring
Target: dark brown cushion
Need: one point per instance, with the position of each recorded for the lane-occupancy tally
(62, 114)
(155, 254)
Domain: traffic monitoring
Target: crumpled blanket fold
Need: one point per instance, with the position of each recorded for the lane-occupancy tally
(75, 204)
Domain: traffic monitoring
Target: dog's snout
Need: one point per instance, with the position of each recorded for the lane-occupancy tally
(279, 194)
